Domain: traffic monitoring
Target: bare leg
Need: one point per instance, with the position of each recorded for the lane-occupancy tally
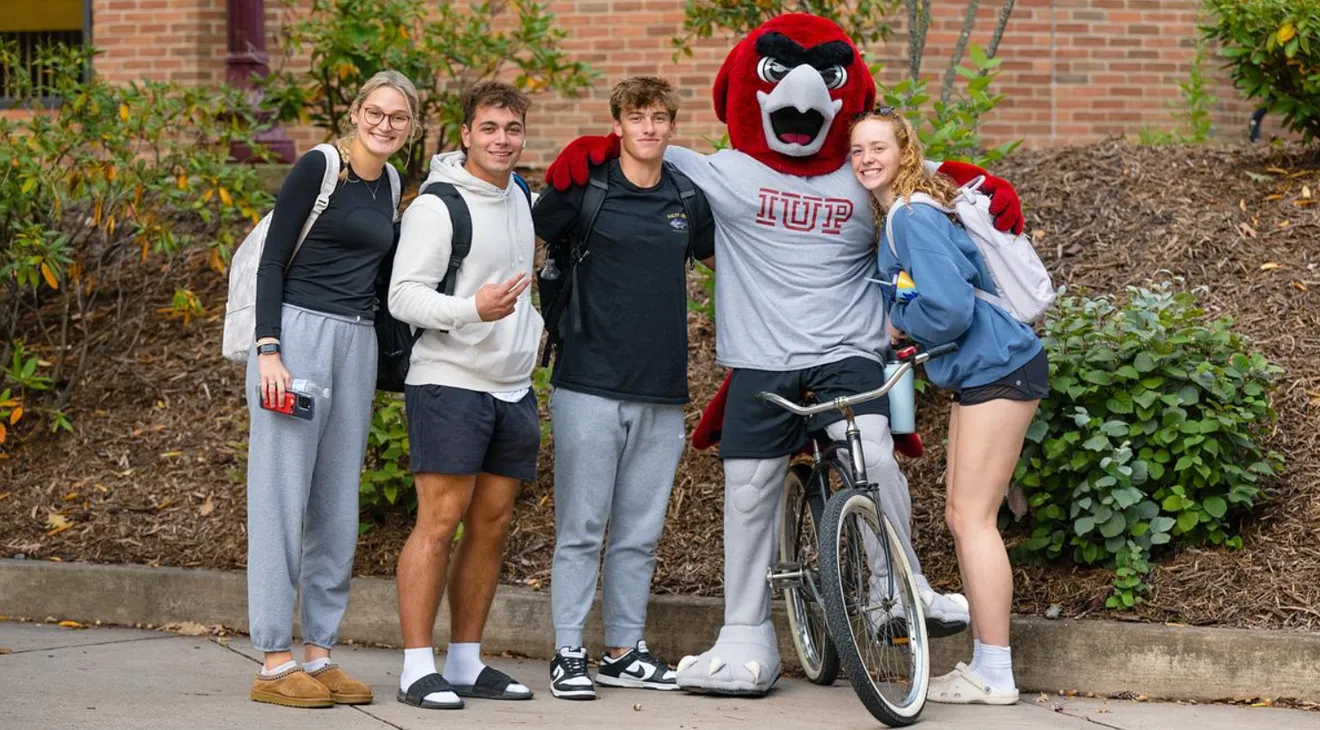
(989, 440)
(480, 555)
(441, 501)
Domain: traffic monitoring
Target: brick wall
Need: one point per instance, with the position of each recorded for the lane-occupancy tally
(1074, 70)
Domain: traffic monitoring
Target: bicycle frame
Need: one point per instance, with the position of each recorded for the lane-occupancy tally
(909, 358)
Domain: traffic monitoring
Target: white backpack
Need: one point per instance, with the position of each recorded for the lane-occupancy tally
(1022, 285)
(241, 307)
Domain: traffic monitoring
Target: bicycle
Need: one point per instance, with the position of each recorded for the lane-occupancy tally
(872, 613)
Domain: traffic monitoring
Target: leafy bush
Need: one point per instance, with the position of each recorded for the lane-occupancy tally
(1152, 433)
(1193, 119)
(1273, 52)
(442, 47)
(866, 21)
(386, 478)
(114, 181)
(951, 133)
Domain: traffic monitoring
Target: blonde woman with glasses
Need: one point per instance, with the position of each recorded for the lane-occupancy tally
(311, 377)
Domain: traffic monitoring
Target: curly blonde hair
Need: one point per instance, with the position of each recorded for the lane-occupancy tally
(913, 177)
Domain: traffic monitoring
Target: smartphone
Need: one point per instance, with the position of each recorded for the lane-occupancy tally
(297, 405)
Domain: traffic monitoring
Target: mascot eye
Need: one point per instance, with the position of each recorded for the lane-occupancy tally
(771, 71)
(834, 76)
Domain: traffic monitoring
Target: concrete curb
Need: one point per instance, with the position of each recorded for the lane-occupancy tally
(1089, 656)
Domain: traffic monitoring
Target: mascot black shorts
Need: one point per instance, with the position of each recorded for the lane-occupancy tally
(754, 429)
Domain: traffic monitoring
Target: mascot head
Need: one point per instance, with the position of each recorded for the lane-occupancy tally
(788, 90)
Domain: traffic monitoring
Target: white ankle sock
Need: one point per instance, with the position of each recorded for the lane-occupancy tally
(463, 663)
(976, 651)
(291, 664)
(316, 664)
(418, 663)
(995, 666)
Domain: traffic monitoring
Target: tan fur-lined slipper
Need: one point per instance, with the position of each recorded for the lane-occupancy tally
(344, 690)
(291, 688)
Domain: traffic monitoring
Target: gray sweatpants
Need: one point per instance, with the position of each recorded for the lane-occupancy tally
(303, 480)
(615, 463)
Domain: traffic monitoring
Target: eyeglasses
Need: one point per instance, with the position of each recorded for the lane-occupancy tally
(374, 116)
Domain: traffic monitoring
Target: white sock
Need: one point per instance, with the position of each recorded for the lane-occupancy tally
(976, 651)
(418, 663)
(464, 665)
(291, 664)
(995, 666)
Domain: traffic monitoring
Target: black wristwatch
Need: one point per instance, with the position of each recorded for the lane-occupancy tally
(268, 348)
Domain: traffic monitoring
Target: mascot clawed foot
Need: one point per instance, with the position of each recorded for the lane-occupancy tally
(744, 661)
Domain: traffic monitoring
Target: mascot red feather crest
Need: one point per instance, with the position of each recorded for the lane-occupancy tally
(787, 91)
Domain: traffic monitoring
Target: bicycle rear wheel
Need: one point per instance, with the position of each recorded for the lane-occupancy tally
(873, 610)
(799, 549)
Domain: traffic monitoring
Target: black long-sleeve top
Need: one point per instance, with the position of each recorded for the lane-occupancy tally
(335, 269)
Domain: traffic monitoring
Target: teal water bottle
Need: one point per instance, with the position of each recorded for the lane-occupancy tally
(902, 400)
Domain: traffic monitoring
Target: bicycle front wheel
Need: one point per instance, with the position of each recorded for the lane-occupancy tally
(873, 610)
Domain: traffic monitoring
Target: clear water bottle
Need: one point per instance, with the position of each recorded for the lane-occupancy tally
(550, 272)
(902, 401)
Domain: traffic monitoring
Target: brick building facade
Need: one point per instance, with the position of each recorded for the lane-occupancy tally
(1073, 70)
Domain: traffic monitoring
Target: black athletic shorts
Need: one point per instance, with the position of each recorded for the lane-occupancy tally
(1029, 382)
(457, 431)
(754, 429)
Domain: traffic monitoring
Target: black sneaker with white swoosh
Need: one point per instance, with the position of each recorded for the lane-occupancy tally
(568, 675)
(638, 669)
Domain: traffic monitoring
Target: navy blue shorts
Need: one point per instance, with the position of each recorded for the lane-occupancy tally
(457, 431)
(754, 429)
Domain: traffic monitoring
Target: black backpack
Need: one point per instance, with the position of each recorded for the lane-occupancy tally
(395, 339)
(557, 281)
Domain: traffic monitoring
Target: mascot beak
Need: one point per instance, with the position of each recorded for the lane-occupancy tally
(797, 114)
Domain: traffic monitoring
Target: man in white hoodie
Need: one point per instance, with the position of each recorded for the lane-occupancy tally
(472, 415)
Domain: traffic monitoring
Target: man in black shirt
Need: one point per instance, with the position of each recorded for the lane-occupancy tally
(620, 383)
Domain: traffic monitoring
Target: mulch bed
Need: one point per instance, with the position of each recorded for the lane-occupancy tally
(154, 471)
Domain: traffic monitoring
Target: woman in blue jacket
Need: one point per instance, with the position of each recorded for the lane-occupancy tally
(998, 376)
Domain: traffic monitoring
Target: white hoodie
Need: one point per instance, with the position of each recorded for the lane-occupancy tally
(490, 357)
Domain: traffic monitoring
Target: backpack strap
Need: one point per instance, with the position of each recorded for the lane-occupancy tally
(329, 182)
(521, 183)
(687, 195)
(460, 219)
(396, 187)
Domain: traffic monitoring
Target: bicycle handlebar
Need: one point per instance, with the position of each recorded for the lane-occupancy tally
(908, 359)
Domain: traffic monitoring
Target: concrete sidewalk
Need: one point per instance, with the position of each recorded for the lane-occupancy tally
(111, 678)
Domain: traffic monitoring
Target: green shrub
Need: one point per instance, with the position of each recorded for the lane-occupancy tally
(443, 48)
(865, 21)
(1273, 52)
(386, 478)
(97, 192)
(1152, 433)
(1193, 119)
(951, 131)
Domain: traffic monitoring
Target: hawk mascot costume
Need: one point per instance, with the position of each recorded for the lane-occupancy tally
(795, 242)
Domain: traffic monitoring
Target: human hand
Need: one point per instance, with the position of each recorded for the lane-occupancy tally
(274, 379)
(497, 301)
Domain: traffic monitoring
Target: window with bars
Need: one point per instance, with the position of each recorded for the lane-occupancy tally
(28, 26)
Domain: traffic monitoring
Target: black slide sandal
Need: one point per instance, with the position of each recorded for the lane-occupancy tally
(492, 684)
(417, 692)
